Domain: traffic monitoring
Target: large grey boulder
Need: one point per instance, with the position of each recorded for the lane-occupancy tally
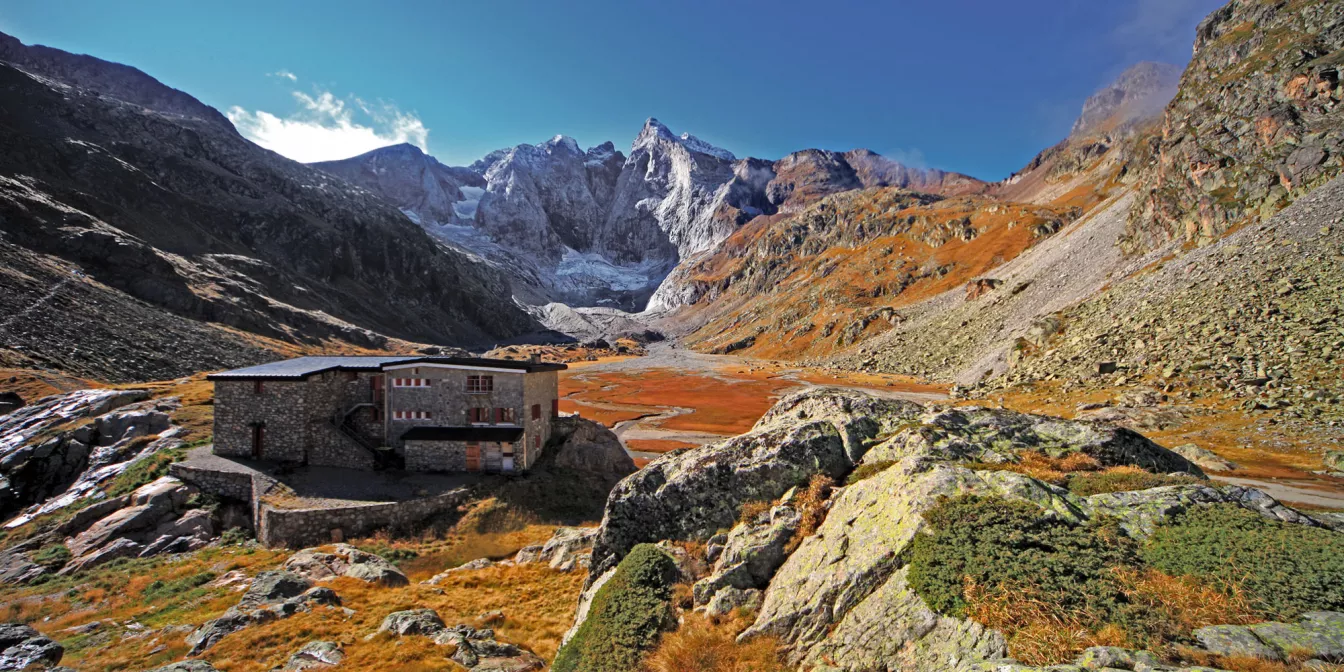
(317, 564)
(584, 445)
(1203, 457)
(691, 495)
(273, 595)
(412, 622)
(1139, 511)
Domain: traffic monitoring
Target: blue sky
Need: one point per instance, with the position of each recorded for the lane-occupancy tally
(976, 87)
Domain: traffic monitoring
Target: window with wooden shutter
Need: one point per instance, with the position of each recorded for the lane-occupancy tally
(555, 408)
(473, 457)
(536, 411)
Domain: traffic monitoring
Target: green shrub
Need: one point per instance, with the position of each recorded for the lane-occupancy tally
(868, 470)
(144, 471)
(395, 556)
(234, 536)
(994, 543)
(1123, 479)
(626, 617)
(158, 590)
(52, 556)
(1285, 569)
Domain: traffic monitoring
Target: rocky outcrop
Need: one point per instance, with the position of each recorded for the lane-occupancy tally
(1252, 127)
(1138, 94)
(23, 648)
(842, 600)
(570, 548)
(747, 558)
(37, 462)
(153, 520)
(328, 562)
(476, 650)
(272, 595)
(1319, 635)
(693, 494)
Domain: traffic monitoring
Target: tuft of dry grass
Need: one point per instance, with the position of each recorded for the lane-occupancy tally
(1042, 467)
(1188, 602)
(704, 644)
(753, 508)
(811, 503)
(1037, 630)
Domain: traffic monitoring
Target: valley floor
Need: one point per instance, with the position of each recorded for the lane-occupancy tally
(676, 398)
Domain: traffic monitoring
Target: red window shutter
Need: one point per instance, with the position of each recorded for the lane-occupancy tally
(499, 415)
(555, 408)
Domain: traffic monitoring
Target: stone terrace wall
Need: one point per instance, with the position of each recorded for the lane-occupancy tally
(297, 528)
(231, 484)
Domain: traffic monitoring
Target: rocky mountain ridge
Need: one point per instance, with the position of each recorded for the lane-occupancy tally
(598, 227)
(170, 208)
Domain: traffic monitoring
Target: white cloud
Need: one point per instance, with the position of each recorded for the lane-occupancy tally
(326, 128)
(286, 74)
(912, 157)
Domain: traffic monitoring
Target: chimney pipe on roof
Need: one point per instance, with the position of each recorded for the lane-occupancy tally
(535, 358)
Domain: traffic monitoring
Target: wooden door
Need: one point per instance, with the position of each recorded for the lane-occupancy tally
(258, 440)
(473, 457)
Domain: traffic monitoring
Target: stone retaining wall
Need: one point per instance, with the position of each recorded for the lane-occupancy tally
(297, 528)
(231, 484)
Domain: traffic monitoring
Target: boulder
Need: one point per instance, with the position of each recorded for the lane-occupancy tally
(14, 633)
(1139, 511)
(315, 655)
(1334, 460)
(584, 445)
(478, 651)
(693, 494)
(412, 622)
(272, 595)
(317, 564)
(1203, 458)
(469, 566)
(271, 587)
(568, 549)
(29, 652)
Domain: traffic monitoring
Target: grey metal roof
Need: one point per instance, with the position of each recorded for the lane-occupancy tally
(302, 367)
(474, 433)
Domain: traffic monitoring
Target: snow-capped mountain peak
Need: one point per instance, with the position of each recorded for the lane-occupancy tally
(562, 141)
(655, 131)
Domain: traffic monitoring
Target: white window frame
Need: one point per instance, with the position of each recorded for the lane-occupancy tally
(412, 415)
